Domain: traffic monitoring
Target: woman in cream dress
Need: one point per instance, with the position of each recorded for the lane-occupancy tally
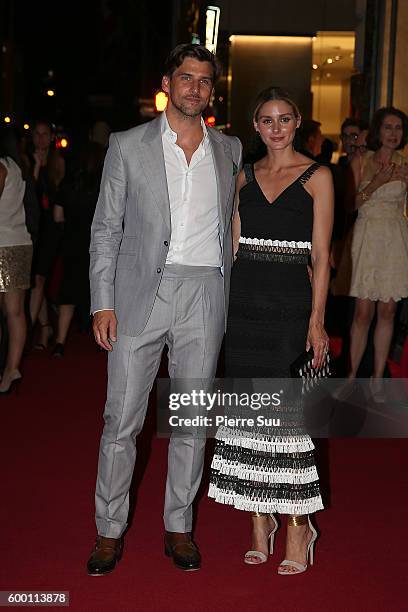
(379, 249)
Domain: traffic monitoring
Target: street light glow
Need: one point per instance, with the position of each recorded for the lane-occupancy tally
(160, 101)
(7, 119)
(26, 126)
(212, 20)
(50, 93)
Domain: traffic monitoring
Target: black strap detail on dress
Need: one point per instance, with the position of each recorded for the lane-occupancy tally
(249, 172)
(303, 178)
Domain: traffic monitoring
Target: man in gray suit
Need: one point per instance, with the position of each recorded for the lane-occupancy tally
(161, 256)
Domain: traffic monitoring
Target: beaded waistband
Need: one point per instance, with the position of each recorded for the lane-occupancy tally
(265, 243)
(274, 251)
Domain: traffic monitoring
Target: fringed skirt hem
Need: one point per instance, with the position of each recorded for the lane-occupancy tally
(284, 506)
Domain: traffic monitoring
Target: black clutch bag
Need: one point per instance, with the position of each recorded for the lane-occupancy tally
(302, 368)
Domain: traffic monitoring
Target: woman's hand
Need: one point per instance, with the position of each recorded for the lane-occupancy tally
(384, 175)
(40, 158)
(58, 214)
(318, 339)
(401, 173)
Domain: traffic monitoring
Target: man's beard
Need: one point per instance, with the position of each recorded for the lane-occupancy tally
(185, 110)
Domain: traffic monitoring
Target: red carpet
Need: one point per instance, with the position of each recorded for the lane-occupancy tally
(50, 437)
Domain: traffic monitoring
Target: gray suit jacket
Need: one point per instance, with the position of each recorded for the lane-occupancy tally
(131, 230)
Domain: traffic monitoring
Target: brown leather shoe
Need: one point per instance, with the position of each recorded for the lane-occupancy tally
(104, 556)
(181, 548)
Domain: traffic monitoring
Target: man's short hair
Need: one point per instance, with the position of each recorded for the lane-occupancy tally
(351, 122)
(197, 52)
(308, 128)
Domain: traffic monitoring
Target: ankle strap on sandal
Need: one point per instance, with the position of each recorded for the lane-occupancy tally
(297, 520)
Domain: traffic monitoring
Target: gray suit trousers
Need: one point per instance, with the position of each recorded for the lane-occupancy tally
(188, 316)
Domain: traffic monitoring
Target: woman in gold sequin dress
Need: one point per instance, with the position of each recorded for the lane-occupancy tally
(15, 256)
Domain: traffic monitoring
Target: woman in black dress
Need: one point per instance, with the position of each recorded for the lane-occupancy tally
(284, 206)
(48, 168)
(77, 199)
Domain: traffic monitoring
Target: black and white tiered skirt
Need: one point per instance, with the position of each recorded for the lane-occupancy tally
(261, 474)
(259, 470)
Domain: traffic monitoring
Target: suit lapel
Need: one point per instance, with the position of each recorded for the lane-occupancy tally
(152, 161)
(223, 164)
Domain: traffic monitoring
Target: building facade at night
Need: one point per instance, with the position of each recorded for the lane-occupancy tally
(337, 58)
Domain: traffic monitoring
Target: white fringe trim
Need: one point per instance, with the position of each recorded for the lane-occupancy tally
(280, 506)
(243, 472)
(257, 441)
(278, 243)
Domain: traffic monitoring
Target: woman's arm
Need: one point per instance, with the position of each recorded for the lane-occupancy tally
(383, 176)
(38, 162)
(323, 211)
(60, 170)
(355, 171)
(236, 221)
(58, 213)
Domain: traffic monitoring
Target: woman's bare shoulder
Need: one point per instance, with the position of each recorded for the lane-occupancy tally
(322, 173)
(320, 182)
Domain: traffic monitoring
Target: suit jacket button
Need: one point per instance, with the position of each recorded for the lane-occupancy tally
(166, 243)
(158, 270)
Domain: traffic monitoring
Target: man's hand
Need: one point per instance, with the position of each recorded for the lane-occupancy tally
(104, 328)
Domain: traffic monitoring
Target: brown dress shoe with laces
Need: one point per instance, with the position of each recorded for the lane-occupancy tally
(181, 548)
(104, 556)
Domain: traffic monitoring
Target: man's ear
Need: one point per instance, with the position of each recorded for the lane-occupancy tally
(165, 84)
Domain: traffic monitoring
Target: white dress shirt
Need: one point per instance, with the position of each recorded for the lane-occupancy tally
(195, 239)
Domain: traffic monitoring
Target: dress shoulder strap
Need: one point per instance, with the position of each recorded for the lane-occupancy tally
(249, 172)
(303, 178)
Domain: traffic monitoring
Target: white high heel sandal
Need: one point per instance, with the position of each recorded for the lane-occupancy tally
(299, 567)
(377, 390)
(257, 554)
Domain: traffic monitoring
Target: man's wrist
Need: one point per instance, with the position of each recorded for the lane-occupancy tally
(103, 310)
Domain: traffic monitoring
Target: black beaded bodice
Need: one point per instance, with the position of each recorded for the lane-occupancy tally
(288, 218)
